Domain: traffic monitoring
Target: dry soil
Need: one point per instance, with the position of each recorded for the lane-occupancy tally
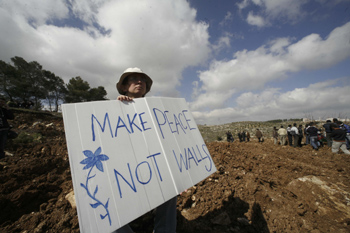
(259, 187)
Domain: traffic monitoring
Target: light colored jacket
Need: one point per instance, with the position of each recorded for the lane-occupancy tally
(282, 132)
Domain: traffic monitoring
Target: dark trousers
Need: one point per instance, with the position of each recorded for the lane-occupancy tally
(290, 139)
(295, 139)
(313, 142)
(329, 139)
(307, 139)
(164, 221)
(347, 139)
(299, 140)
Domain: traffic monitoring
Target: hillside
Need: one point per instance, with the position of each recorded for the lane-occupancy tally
(257, 188)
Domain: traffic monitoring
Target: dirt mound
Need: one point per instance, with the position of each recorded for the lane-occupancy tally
(257, 188)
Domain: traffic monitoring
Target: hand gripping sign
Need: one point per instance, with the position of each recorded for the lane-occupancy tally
(127, 158)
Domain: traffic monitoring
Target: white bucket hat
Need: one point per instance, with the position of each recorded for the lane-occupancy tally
(130, 71)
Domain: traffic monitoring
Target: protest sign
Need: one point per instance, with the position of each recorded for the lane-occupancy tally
(127, 158)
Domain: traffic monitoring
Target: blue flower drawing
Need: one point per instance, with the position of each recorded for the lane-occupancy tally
(92, 160)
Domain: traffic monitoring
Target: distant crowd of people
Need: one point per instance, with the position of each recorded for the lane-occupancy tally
(336, 135)
(244, 136)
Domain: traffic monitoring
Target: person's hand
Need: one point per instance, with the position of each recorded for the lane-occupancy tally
(183, 192)
(124, 98)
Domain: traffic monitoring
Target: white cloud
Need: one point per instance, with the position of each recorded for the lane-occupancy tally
(208, 101)
(36, 12)
(87, 11)
(252, 70)
(279, 45)
(256, 20)
(312, 52)
(228, 18)
(223, 42)
(269, 10)
(161, 37)
(243, 4)
(324, 99)
(249, 99)
(286, 11)
(290, 9)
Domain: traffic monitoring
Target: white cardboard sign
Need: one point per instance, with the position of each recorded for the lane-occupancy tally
(127, 158)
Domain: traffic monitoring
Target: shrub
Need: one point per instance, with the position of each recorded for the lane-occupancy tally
(24, 137)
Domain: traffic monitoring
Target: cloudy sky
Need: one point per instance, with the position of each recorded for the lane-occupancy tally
(232, 60)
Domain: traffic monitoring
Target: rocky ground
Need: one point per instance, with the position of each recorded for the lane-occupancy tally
(259, 187)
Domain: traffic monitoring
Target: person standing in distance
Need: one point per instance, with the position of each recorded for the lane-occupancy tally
(338, 135)
(5, 114)
(282, 134)
(259, 135)
(275, 135)
(134, 83)
(295, 133)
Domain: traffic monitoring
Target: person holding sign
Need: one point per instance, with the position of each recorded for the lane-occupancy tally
(134, 83)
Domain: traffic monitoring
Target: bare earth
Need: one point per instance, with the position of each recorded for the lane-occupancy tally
(258, 187)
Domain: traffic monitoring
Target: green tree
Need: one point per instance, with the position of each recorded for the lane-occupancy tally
(7, 75)
(77, 90)
(29, 81)
(37, 89)
(98, 93)
(55, 89)
(20, 82)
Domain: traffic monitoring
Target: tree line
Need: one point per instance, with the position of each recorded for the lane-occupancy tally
(23, 82)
